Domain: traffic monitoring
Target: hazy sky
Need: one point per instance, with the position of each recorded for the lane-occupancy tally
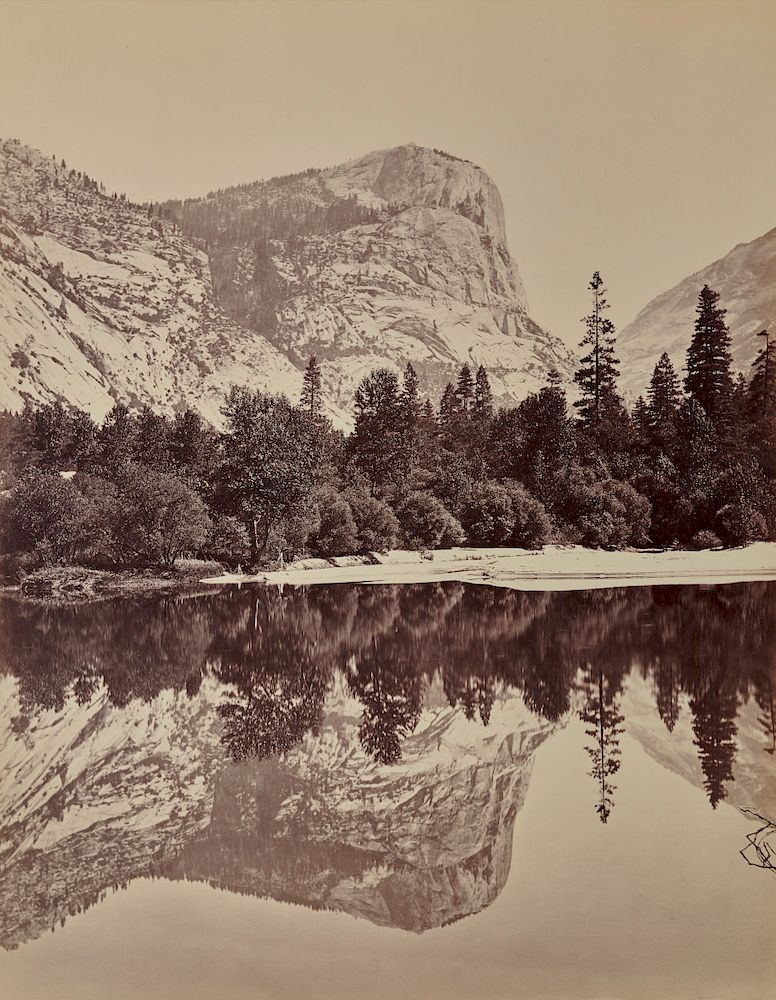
(637, 138)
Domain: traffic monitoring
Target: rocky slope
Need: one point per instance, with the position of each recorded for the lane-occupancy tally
(97, 795)
(746, 281)
(100, 302)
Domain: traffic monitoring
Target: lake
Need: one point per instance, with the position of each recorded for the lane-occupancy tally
(429, 790)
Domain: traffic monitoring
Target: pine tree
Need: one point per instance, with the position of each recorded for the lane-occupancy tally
(709, 380)
(663, 395)
(376, 439)
(641, 422)
(410, 394)
(714, 725)
(464, 390)
(761, 406)
(599, 367)
(410, 405)
(483, 397)
(447, 408)
(311, 399)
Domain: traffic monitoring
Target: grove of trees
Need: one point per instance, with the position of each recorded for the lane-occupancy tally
(691, 465)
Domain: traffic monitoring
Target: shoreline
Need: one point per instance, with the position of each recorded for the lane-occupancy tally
(555, 567)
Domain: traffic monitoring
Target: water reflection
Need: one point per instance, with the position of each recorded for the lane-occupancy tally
(363, 748)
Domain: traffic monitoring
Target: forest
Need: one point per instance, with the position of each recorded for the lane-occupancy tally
(691, 465)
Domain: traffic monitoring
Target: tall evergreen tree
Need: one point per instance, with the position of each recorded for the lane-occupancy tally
(483, 396)
(464, 390)
(663, 396)
(714, 725)
(311, 399)
(762, 382)
(709, 381)
(376, 440)
(599, 366)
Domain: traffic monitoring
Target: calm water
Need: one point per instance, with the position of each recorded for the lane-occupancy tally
(418, 791)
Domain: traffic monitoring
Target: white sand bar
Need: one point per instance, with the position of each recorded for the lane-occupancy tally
(555, 567)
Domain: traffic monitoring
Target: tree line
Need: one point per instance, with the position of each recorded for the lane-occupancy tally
(693, 468)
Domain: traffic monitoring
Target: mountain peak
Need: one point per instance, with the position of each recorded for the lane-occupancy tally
(395, 256)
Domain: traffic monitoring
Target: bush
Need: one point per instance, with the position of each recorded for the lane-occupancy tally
(337, 534)
(705, 539)
(426, 523)
(486, 515)
(739, 524)
(608, 512)
(47, 514)
(376, 524)
(532, 526)
(160, 518)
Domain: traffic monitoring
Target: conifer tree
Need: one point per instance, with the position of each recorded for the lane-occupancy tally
(601, 714)
(708, 379)
(464, 390)
(410, 405)
(641, 422)
(599, 366)
(311, 399)
(761, 391)
(410, 394)
(663, 395)
(376, 438)
(483, 397)
(447, 409)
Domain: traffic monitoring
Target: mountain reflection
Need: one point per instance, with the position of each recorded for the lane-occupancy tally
(706, 650)
(359, 748)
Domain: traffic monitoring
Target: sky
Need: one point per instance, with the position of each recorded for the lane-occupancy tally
(634, 138)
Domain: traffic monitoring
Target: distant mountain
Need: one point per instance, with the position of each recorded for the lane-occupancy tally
(398, 256)
(746, 281)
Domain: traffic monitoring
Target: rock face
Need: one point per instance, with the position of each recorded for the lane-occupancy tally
(409, 262)
(398, 256)
(101, 302)
(99, 795)
(746, 281)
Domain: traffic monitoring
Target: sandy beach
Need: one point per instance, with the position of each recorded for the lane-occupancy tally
(555, 567)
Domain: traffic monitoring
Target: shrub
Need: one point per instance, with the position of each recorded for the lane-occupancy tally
(376, 524)
(337, 534)
(738, 524)
(705, 539)
(160, 518)
(608, 512)
(487, 516)
(532, 526)
(47, 513)
(426, 523)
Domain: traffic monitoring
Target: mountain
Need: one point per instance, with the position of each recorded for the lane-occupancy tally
(100, 302)
(746, 281)
(398, 256)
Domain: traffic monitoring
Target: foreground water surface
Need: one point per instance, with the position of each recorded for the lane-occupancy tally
(435, 790)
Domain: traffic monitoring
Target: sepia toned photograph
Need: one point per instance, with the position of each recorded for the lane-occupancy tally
(387, 500)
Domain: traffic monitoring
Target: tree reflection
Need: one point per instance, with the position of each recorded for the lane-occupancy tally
(603, 725)
(271, 658)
